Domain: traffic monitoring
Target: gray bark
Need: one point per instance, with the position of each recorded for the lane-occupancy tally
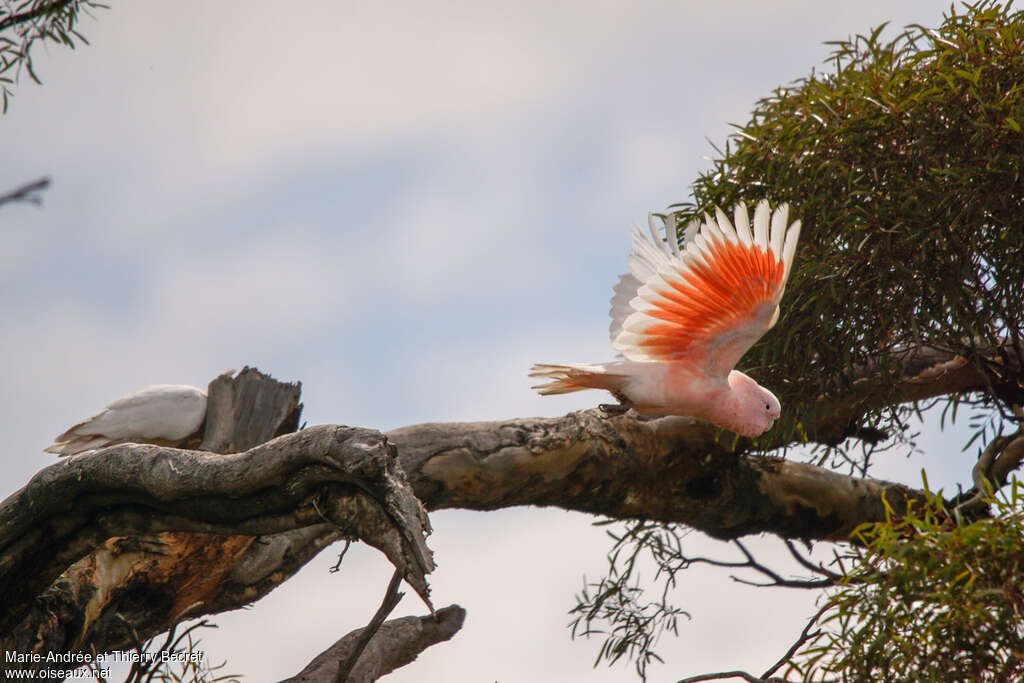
(397, 643)
(301, 491)
(247, 410)
(669, 469)
(103, 550)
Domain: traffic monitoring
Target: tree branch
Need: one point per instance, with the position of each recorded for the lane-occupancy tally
(992, 470)
(396, 643)
(391, 598)
(776, 578)
(348, 475)
(768, 676)
(668, 469)
(927, 372)
(29, 192)
(305, 490)
(721, 675)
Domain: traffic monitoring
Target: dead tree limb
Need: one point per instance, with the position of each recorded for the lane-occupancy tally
(28, 193)
(285, 500)
(396, 643)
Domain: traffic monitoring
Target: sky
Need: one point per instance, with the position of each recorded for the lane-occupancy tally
(402, 205)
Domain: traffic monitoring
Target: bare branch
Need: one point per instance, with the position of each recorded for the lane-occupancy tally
(391, 598)
(395, 644)
(767, 676)
(928, 372)
(72, 507)
(816, 568)
(776, 579)
(1009, 459)
(721, 675)
(805, 635)
(28, 193)
(752, 563)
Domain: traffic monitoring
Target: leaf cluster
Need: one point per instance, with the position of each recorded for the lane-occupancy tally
(617, 608)
(929, 597)
(25, 22)
(904, 161)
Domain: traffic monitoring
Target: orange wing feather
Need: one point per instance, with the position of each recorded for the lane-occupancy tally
(713, 301)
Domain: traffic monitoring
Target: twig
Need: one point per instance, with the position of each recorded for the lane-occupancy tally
(341, 555)
(95, 666)
(767, 676)
(27, 192)
(750, 678)
(777, 580)
(816, 568)
(348, 541)
(96, 669)
(805, 635)
(391, 598)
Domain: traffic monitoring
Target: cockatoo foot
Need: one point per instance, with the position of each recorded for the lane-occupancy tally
(615, 409)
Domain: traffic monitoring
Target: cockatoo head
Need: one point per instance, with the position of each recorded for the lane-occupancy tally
(755, 408)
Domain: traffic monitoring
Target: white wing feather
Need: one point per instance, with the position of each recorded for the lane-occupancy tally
(645, 261)
(167, 412)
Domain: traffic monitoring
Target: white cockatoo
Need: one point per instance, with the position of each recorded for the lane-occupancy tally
(683, 317)
(165, 413)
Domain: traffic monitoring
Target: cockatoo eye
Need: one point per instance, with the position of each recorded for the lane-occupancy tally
(767, 407)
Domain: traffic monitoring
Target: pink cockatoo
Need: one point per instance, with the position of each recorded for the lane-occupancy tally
(165, 413)
(683, 317)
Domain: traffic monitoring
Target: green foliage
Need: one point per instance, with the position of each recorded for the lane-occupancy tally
(24, 22)
(904, 162)
(928, 599)
(616, 608)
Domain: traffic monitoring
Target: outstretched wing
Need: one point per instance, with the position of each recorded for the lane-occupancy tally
(643, 264)
(168, 411)
(709, 301)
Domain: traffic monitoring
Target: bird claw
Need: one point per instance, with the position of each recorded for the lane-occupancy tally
(616, 409)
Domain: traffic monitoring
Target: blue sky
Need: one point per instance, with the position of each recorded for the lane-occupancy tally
(403, 206)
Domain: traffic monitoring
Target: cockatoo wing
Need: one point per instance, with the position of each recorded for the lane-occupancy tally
(624, 292)
(711, 300)
(644, 262)
(167, 412)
